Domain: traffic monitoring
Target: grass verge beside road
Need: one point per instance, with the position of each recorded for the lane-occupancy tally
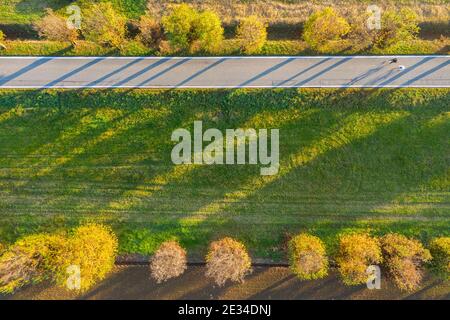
(229, 48)
(373, 160)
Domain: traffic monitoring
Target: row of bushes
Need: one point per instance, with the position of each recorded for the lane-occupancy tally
(402, 257)
(93, 249)
(184, 29)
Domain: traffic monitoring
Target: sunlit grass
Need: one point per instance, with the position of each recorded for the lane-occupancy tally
(373, 160)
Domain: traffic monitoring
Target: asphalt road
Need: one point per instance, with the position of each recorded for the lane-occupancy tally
(223, 72)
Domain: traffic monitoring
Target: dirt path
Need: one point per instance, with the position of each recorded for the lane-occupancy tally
(132, 282)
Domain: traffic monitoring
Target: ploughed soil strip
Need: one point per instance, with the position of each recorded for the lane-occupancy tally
(133, 282)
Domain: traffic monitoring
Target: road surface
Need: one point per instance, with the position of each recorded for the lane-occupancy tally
(223, 72)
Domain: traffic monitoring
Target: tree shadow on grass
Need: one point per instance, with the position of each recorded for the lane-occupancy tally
(233, 218)
(118, 144)
(176, 207)
(195, 206)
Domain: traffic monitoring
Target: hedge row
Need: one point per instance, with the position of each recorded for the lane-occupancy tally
(402, 258)
(84, 256)
(184, 30)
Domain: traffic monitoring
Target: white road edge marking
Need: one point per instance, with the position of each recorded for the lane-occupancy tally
(223, 87)
(221, 57)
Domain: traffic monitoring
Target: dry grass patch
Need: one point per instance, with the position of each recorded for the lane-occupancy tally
(295, 12)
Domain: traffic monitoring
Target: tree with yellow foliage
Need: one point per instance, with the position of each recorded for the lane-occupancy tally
(323, 28)
(103, 25)
(252, 34)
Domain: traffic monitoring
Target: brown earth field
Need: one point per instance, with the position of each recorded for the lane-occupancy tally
(265, 283)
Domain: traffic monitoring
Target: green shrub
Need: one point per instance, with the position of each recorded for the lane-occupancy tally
(53, 27)
(355, 253)
(324, 26)
(307, 257)
(440, 250)
(227, 259)
(397, 27)
(103, 25)
(404, 258)
(29, 260)
(188, 29)
(178, 25)
(169, 261)
(252, 34)
(92, 248)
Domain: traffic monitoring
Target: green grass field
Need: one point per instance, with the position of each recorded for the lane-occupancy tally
(375, 160)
